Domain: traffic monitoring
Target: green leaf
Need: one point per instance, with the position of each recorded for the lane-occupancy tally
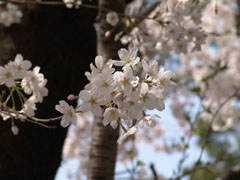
(140, 163)
(195, 89)
(187, 117)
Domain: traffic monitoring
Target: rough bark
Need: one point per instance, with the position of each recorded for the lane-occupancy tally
(62, 42)
(104, 147)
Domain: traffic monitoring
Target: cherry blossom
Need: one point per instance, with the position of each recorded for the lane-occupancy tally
(21, 66)
(112, 18)
(69, 115)
(111, 115)
(127, 57)
(90, 102)
(124, 135)
(10, 14)
(7, 75)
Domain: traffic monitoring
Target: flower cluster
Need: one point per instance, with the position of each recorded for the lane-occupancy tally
(122, 97)
(29, 86)
(9, 14)
(172, 27)
(213, 74)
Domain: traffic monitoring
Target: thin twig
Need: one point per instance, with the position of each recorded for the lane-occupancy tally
(40, 124)
(10, 113)
(28, 119)
(145, 13)
(59, 3)
(46, 120)
(154, 172)
(209, 130)
(211, 122)
(197, 165)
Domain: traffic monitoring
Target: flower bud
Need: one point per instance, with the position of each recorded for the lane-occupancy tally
(107, 34)
(118, 36)
(71, 97)
(14, 130)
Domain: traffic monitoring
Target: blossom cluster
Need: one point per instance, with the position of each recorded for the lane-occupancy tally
(10, 14)
(29, 86)
(119, 97)
(213, 73)
(122, 97)
(172, 27)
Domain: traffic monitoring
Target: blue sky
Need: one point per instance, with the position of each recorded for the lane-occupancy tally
(164, 163)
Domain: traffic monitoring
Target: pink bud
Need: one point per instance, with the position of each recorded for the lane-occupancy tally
(118, 36)
(71, 97)
(14, 130)
(107, 34)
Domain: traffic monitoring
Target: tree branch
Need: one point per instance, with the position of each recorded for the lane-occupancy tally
(154, 172)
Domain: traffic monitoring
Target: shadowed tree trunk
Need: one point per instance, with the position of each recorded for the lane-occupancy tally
(104, 139)
(63, 43)
(234, 172)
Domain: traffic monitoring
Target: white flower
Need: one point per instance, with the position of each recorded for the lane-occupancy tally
(69, 115)
(100, 67)
(125, 79)
(9, 15)
(127, 57)
(151, 69)
(164, 78)
(27, 85)
(29, 106)
(21, 66)
(129, 132)
(132, 106)
(112, 18)
(69, 3)
(104, 83)
(149, 120)
(7, 75)
(41, 91)
(147, 99)
(111, 116)
(173, 31)
(36, 77)
(33, 81)
(4, 116)
(90, 103)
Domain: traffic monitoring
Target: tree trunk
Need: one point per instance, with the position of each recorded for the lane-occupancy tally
(103, 150)
(63, 43)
